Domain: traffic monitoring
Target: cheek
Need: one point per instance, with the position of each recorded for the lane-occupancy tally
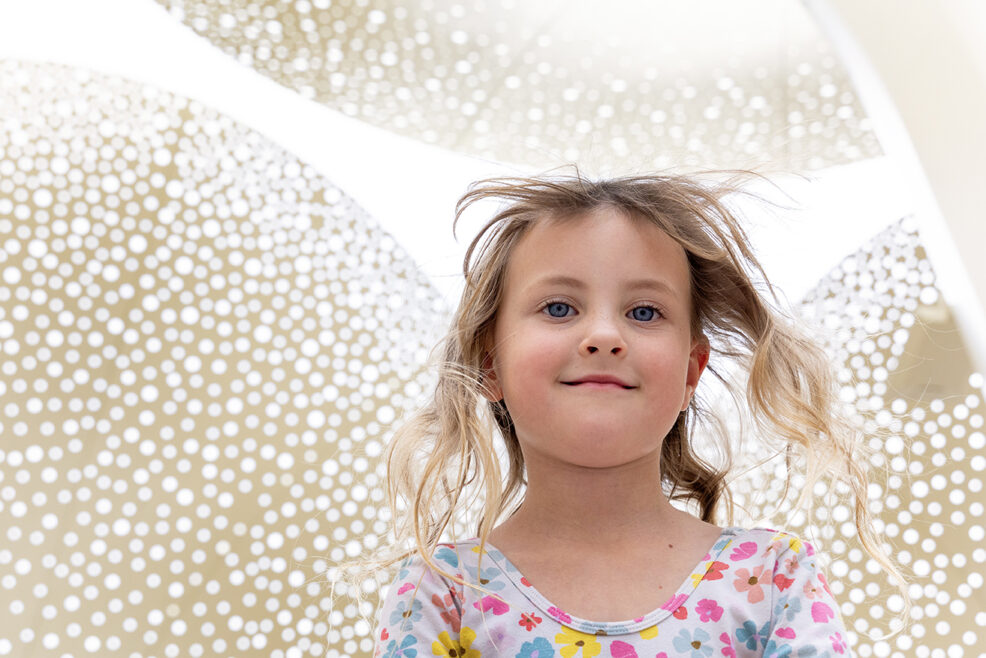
(524, 366)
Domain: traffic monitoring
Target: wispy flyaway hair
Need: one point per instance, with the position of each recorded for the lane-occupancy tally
(788, 389)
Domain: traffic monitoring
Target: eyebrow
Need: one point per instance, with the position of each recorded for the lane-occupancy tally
(636, 284)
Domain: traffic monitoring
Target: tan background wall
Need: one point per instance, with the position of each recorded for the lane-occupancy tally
(204, 336)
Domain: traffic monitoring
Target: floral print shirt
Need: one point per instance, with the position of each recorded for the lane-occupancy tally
(758, 592)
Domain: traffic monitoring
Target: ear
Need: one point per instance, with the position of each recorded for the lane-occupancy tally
(491, 385)
(697, 360)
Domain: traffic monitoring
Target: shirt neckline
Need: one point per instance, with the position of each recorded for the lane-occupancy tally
(673, 602)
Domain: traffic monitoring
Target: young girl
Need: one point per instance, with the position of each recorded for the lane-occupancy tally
(591, 312)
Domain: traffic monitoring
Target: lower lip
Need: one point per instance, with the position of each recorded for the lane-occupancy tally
(603, 386)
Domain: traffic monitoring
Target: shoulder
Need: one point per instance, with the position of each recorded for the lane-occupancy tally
(419, 602)
(417, 579)
(769, 541)
(423, 602)
(785, 554)
(792, 563)
(450, 557)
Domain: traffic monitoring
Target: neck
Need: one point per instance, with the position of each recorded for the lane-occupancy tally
(594, 509)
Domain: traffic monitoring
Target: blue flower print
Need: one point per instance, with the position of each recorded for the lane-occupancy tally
(404, 571)
(748, 634)
(772, 650)
(446, 554)
(787, 609)
(508, 566)
(406, 616)
(487, 577)
(808, 651)
(405, 650)
(539, 648)
(696, 642)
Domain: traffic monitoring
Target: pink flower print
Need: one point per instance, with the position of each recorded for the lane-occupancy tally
(458, 592)
(820, 612)
(782, 581)
(743, 551)
(791, 564)
(708, 610)
(838, 644)
(560, 614)
(674, 602)
(715, 570)
(811, 590)
(448, 611)
(821, 578)
(751, 583)
(727, 650)
(406, 587)
(620, 649)
(497, 605)
(661, 655)
(787, 633)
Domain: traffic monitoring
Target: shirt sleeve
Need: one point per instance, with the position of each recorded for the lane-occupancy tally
(805, 621)
(421, 611)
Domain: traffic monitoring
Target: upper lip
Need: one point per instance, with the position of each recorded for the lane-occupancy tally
(602, 379)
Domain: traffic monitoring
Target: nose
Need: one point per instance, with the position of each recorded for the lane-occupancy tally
(603, 335)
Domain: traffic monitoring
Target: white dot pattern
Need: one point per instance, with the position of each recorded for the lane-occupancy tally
(906, 372)
(629, 87)
(202, 345)
(203, 342)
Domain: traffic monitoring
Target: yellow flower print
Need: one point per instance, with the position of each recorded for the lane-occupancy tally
(795, 544)
(649, 633)
(573, 640)
(458, 648)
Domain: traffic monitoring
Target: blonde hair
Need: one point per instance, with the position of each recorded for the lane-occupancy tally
(790, 392)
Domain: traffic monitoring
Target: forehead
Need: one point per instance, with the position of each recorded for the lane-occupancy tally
(604, 244)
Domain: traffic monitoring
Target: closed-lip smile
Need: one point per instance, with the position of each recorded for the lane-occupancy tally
(599, 379)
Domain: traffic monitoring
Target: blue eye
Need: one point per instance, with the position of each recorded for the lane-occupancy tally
(649, 312)
(557, 306)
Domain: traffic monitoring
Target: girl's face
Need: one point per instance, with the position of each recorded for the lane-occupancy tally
(595, 297)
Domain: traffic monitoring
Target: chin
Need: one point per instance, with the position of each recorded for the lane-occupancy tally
(602, 460)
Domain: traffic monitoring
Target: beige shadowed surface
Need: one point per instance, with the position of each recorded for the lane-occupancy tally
(202, 340)
(642, 85)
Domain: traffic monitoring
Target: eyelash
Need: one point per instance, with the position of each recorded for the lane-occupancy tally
(657, 312)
